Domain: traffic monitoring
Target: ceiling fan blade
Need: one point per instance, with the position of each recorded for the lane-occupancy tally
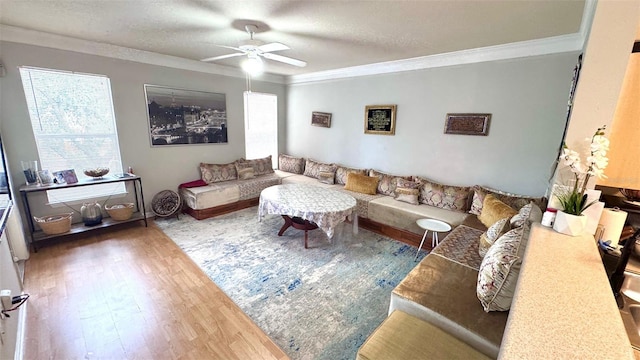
(285, 59)
(230, 47)
(275, 46)
(222, 57)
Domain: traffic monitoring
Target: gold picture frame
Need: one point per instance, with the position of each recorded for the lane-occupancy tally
(467, 124)
(380, 119)
(321, 119)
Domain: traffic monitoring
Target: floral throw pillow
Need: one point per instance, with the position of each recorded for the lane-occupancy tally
(342, 172)
(326, 174)
(492, 234)
(499, 271)
(291, 164)
(514, 200)
(407, 191)
(260, 166)
(312, 168)
(212, 173)
(444, 196)
(245, 171)
(386, 182)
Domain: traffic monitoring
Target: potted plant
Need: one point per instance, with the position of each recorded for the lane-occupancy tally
(573, 199)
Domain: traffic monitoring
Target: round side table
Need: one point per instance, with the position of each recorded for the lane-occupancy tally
(435, 226)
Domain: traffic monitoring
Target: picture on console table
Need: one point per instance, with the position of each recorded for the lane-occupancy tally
(380, 119)
(184, 117)
(467, 124)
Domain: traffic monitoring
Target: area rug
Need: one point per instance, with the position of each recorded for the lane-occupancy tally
(316, 303)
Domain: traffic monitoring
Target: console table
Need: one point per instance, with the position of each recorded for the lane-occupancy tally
(140, 212)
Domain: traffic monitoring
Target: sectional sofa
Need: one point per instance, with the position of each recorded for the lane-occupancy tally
(443, 289)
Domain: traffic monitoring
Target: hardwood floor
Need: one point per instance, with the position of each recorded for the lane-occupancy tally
(131, 293)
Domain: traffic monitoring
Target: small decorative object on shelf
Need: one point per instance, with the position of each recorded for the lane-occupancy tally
(54, 224)
(571, 220)
(120, 212)
(91, 213)
(30, 170)
(166, 203)
(96, 173)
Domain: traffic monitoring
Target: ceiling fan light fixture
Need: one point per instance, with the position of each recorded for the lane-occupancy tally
(253, 65)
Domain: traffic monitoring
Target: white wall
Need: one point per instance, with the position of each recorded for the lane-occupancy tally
(160, 167)
(527, 99)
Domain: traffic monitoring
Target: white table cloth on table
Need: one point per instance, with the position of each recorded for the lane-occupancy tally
(324, 207)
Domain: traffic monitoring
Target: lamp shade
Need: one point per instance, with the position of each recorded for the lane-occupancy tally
(623, 170)
(253, 65)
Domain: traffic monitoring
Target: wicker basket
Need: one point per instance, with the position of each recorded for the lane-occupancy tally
(120, 211)
(54, 224)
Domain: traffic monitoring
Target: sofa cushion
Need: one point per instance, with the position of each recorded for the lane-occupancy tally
(443, 293)
(523, 214)
(401, 215)
(362, 200)
(312, 168)
(514, 200)
(387, 182)
(291, 164)
(301, 179)
(361, 183)
(213, 173)
(342, 171)
(261, 166)
(444, 196)
(407, 191)
(492, 234)
(461, 246)
(494, 210)
(245, 171)
(327, 174)
(215, 194)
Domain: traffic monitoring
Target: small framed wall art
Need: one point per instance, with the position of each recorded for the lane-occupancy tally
(321, 119)
(380, 119)
(467, 124)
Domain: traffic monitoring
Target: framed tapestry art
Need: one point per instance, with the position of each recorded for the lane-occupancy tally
(467, 124)
(380, 119)
(321, 119)
(182, 117)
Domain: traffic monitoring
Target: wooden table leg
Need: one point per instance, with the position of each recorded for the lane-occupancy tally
(287, 223)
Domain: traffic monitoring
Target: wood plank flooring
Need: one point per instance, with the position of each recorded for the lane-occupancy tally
(131, 293)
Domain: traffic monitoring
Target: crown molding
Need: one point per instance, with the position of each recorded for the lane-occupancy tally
(38, 38)
(558, 44)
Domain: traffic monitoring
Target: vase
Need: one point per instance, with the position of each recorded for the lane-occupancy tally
(572, 225)
(91, 213)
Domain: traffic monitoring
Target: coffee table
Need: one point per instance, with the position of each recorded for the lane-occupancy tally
(307, 207)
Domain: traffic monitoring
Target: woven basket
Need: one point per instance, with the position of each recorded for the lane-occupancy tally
(120, 211)
(54, 224)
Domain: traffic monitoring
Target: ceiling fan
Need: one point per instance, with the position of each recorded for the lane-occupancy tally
(254, 50)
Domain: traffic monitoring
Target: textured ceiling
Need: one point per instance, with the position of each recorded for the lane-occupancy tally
(326, 34)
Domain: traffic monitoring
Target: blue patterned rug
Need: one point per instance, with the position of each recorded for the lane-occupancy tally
(316, 303)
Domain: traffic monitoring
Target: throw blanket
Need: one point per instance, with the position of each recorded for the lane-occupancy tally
(191, 184)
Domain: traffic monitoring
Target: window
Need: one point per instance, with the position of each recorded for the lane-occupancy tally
(74, 127)
(261, 126)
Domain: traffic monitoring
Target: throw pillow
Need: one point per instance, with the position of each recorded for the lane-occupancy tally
(342, 172)
(444, 196)
(261, 166)
(326, 174)
(290, 164)
(494, 210)
(312, 168)
(500, 269)
(523, 214)
(407, 191)
(212, 173)
(245, 171)
(514, 200)
(492, 234)
(386, 182)
(362, 183)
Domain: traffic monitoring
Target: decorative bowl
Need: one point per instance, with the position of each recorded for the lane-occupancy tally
(96, 172)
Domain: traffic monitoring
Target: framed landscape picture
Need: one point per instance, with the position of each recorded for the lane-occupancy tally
(183, 117)
(321, 119)
(380, 119)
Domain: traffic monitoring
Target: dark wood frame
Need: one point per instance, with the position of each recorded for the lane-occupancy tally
(389, 128)
(467, 124)
(321, 119)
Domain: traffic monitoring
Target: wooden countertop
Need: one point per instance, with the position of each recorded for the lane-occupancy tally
(563, 307)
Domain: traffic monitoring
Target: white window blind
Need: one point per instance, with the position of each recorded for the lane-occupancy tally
(261, 126)
(74, 126)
